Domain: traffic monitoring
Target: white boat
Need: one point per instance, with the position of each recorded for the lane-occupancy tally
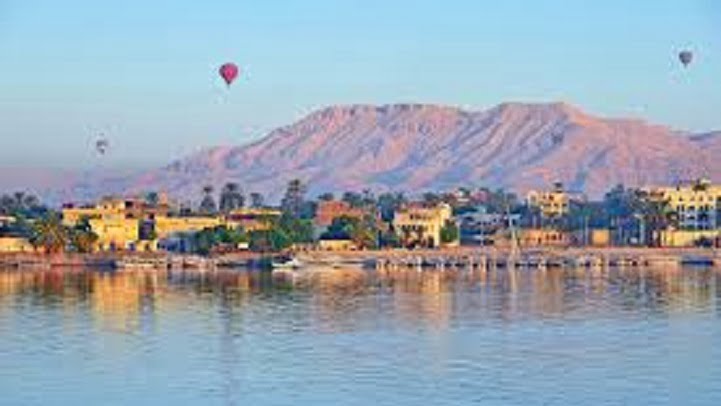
(286, 263)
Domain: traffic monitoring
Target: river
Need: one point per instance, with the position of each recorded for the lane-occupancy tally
(359, 337)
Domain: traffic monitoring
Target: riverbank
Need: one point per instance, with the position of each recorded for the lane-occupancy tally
(459, 257)
(111, 261)
(473, 257)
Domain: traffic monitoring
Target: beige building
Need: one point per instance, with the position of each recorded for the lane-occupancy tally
(167, 226)
(15, 244)
(121, 223)
(337, 245)
(689, 238)
(543, 237)
(696, 205)
(552, 203)
(421, 225)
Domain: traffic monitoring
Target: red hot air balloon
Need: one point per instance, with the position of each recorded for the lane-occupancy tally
(685, 57)
(229, 71)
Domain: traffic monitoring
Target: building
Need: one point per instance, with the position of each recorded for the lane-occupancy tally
(690, 238)
(253, 219)
(543, 237)
(165, 226)
(342, 244)
(554, 203)
(7, 220)
(133, 224)
(478, 227)
(327, 211)
(12, 244)
(421, 225)
(114, 207)
(697, 206)
(600, 237)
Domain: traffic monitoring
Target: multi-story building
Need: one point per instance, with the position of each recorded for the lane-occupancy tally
(697, 205)
(479, 226)
(552, 203)
(133, 224)
(421, 225)
(115, 208)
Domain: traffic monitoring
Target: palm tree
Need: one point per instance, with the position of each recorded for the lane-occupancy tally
(49, 234)
(82, 237)
(256, 200)
(152, 199)
(231, 197)
(207, 205)
(294, 198)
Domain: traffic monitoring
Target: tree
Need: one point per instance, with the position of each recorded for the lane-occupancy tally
(21, 204)
(49, 234)
(152, 199)
(82, 237)
(231, 197)
(207, 205)
(326, 197)
(256, 200)
(209, 239)
(431, 198)
(368, 199)
(353, 199)
(269, 240)
(450, 233)
(363, 232)
(294, 198)
(297, 229)
(389, 203)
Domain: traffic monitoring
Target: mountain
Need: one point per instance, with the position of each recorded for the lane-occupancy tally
(413, 147)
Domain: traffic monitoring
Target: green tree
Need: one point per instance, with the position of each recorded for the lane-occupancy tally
(82, 237)
(450, 233)
(363, 232)
(152, 198)
(21, 204)
(389, 203)
(353, 199)
(231, 197)
(294, 203)
(49, 234)
(207, 204)
(256, 200)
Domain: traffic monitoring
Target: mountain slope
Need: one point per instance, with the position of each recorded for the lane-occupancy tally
(420, 147)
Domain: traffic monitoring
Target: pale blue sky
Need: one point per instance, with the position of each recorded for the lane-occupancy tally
(144, 72)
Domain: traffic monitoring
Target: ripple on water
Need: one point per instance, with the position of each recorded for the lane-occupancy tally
(358, 337)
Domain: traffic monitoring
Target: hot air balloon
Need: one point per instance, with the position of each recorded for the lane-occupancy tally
(228, 71)
(685, 57)
(101, 146)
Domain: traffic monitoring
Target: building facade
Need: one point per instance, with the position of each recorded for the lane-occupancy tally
(696, 206)
(552, 203)
(421, 225)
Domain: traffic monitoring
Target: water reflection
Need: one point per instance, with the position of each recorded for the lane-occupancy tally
(351, 336)
(334, 300)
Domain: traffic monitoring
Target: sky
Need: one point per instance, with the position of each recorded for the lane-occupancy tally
(144, 73)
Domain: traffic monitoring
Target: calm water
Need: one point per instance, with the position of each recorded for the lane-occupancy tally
(357, 337)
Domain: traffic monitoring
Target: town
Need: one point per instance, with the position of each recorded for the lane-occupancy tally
(685, 215)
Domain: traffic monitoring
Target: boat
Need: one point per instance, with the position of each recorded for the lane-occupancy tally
(131, 262)
(286, 263)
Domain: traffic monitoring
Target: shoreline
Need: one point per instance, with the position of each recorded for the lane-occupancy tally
(390, 258)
